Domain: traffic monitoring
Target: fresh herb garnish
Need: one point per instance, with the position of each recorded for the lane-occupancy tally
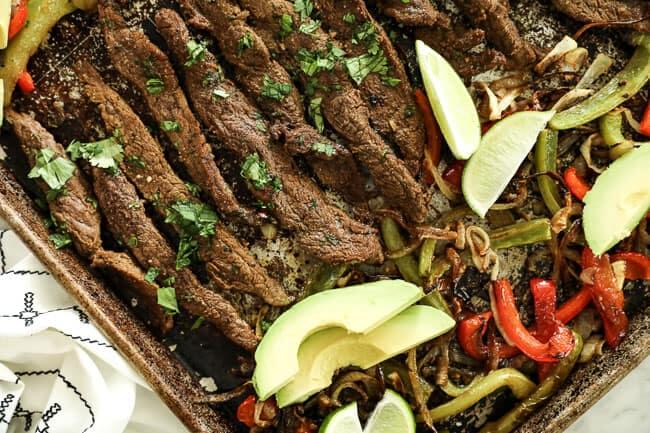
(349, 18)
(155, 86)
(197, 323)
(193, 188)
(304, 8)
(361, 66)
(193, 218)
(167, 300)
(134, 204)
(274, 89)
(391, 81)
(315, 112)
(135, 161)
(286, 25)
(313, 62)
(220, 94)
(324, 148)
(212, 78)
(106, 153)
(60, 240)
(260, 123)
(132, 241)
(245, 42)
(309, 26)
(256, 172)
(151, 275)
(195, 52)
(187, 252)
(170, 126)
(54, 170)
(91, 201)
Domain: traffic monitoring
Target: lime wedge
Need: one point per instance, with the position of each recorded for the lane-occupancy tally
(451, 102)
(344, 420)
(392, 415)
(503, 148)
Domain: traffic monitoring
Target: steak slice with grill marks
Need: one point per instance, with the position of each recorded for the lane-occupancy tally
(324, 85)
(131, 226)
(228, 263)
(388, 94)
(147, 68)
(593, 11)
(321, 229)
(256, 71)
(73, 209)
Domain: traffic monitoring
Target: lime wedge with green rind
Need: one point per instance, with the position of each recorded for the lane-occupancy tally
(503, 149)
(344, 420)
(393, 414)
(451, 102)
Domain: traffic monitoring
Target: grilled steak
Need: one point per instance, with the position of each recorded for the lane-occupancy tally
(72, 209)
(315, 59)
(387, 90)
(148, 69)
(492, 16)
(591, 11)
(227, 262)
(121, 268)
(322, 230)
(413, 13)
(257, 73)
(131, 226)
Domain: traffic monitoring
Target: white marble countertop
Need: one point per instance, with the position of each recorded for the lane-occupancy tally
(626, 408)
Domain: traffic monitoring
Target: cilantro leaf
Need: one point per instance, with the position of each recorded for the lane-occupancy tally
(316, 113)
(170, 126)
(155, 86)
(151, 275)
(286, 25)
(54, 170)
(313, 62)
(195, 52)
(167, 300)
(220, 93)
(361, 66)
(106, 153)
(187, 252)
(304, 8)
(275, 90)
(193, 218)
(245, 42)
(324, 148)
(309, 26)
(256, 172)
(197, 323)
(60, 240)
(349, 18)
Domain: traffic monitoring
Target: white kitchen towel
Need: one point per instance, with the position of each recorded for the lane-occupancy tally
(58, 373)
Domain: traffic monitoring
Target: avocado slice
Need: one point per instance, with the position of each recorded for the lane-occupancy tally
(326, 351)
(358, 309)
(618, 200)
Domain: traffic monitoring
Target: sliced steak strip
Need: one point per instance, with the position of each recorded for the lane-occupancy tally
(130, 225)
(322, 230)
(73, 209)
(148, 69)
(124, 272)
(391, 176)
(335, 167)
(593, 11)
(493, 16)
(228, 263)
(413, 13)
(388, 104)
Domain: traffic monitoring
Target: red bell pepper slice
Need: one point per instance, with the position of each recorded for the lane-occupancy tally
(26, 83)
(576, 184)
(607, 297)
(453, 174)
(645, 121)
(246, 411)
(433, 147)
(544, 295)
(637, 265)
(18, 18)
(515, 333)
(573, 306)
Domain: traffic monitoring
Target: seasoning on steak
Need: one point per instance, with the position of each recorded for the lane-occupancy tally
(131, 226)
(228, 263)
(125, 273)
(594, 11)
(72, 209)
(493, 16)
(413, 13)
(314, 58)
(148, 69)
(264, 80)
(386, 89)
(321, 229)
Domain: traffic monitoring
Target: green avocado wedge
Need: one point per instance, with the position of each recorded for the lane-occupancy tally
(325, 352)
(357, 309)
(618, 200)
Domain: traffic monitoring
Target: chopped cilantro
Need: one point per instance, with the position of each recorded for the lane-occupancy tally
(316, 113)
(106, 153)
(169, 281)
(275, 90)
(193, 218)
(265, 325)
(91, 201)
(361, 66)
(170, 126)
(193, 188)
(134, 204)
(155, 86)
(195, 52)
(391, 81)
(187, 252)
(313, 62)
(313, 204)
(197, 323)
(54, 170)
(245, 42)
(167, 300)
(220, 94)
(60, 240)
(324, 148)
(212, 78)
(151, 275)
(256, 172)
(309, 26)
(304, 8)
(132, 241)
(406, 2)
(365, 32)
(135, 161)
(286, 25)
(349, 18)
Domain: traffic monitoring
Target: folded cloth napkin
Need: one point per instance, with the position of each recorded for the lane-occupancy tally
(58, 373)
